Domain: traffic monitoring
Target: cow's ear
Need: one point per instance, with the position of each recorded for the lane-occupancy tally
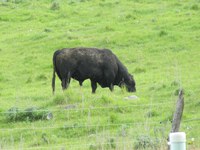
(130, 76)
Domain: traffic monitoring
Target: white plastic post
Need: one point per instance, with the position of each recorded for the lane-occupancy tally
(177, 141)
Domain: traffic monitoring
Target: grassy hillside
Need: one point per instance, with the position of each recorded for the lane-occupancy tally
(158, 41)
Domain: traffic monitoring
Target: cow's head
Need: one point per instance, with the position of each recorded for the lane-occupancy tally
(130, 84)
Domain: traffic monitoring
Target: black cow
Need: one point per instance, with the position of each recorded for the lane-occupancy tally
(99, 65)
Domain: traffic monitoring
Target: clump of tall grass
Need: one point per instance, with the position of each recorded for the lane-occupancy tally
(14, 1)
(195, 7)
(162, 33)
(30, 114)
(105, 99)
(144, 142)
(68, 96)
(152, 113)
(55, 5)
(110, 143)
(59, 100)
(41, 77)
(139, 70)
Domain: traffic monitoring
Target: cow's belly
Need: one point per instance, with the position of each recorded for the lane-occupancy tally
(103, 84)
(83, 74)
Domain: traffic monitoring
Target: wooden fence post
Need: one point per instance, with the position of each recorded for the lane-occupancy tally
(178, 114)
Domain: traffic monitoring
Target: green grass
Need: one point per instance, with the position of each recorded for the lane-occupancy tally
(158, 41)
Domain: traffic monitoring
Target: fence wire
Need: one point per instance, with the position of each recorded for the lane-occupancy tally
(74, 107)
(79, 126)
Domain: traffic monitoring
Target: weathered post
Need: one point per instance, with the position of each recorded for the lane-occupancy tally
(178, 113)
(177, 139)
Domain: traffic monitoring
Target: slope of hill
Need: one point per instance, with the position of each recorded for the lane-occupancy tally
(158, 42)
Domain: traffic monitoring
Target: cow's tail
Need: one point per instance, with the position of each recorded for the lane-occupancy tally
(53, 80)
(54, 71)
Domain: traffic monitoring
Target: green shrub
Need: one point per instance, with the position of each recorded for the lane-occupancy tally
(12, 114)
(144, 142)
(29, 114)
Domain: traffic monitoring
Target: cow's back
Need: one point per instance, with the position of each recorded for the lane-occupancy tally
(87, 56)
(87, 63)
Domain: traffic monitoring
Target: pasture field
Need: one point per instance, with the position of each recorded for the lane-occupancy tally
(158, 41)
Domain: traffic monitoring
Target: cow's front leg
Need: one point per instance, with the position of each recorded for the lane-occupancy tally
(111, 87)
(81, 83)
(94, 86)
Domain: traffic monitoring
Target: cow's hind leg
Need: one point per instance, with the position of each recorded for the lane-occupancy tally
(94, 86)
(66, 81)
